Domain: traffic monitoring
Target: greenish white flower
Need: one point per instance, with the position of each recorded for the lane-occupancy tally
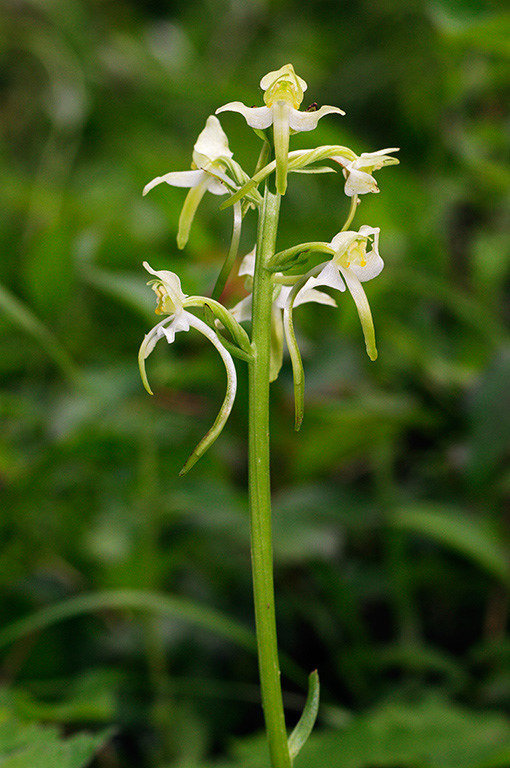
(172, 301)
(351, 265)
(358, 172)
(211, 157)
(283, 96)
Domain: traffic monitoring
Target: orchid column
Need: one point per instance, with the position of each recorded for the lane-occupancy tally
(278, 282)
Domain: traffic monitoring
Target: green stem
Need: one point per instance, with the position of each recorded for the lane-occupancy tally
(260, 489)
(351, 214)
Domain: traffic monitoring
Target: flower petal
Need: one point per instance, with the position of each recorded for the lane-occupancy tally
(180, 322)
(285, 74)
(176, 179)
(247, 266)
(376, 160)
(342, 241)
(329, 276)
(242, 310)
(168, 289)
(311, 295)
(373, 262)
(189, 209)
(170, 280)
(305, 296)
(212, 143)
(256, 117)
(168, 327)
(149, 342)
(359, 182)
(307, 121)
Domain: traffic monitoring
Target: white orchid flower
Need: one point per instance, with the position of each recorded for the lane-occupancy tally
(283, 96)
(352, 265)
(243, 309)
(358, 172)
(172, 302)
(211, 156)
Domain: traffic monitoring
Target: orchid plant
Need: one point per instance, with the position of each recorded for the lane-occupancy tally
(277, 282)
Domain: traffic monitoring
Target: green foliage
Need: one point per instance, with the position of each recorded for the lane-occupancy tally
(477, 539)
(25, 745)
(428, 734)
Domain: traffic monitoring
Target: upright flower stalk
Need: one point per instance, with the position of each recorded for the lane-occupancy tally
(278, 281)
(259, 483)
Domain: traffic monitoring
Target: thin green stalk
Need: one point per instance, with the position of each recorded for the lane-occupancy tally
(260, 490)
(351, 214)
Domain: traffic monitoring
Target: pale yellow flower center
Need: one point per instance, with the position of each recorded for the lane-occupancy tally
(166, 306)
(355, 254)
(283, 90)
(286, 86)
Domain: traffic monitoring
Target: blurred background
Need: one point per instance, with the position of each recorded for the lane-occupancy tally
(125, 591)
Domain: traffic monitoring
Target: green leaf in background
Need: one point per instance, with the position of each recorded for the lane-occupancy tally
(432, 733)
(475, 538)
(23, 317)
(49, 275)
(360, 421)
(429, 734)
(27, 745)
(490, 34)
(131, 599)
(129, 289)
(91, 698)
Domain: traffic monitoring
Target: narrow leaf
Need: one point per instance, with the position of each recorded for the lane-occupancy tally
(303, 729)
(134, 600)
(20, 314)
(475, 538)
